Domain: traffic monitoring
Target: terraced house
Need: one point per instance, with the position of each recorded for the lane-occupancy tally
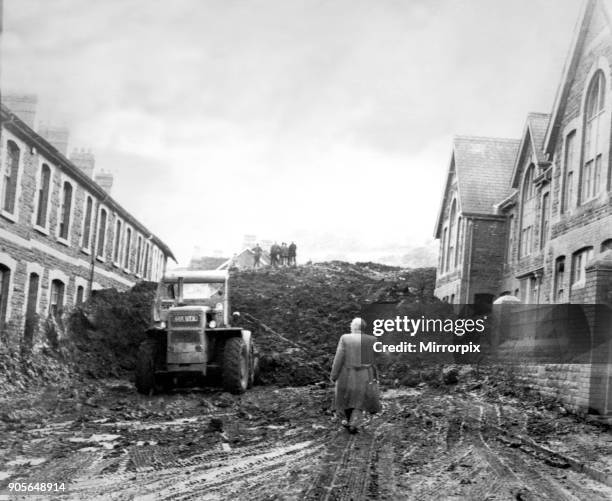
(532, 217)
(61, 233)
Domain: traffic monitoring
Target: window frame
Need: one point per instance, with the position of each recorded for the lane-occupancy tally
(86, 246)
(580, 260)
(101, 252)
(592, 150)
(12, 215)
(37, 209)
(61, 213)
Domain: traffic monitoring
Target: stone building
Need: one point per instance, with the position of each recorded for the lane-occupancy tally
(532, 217)
(61, 233)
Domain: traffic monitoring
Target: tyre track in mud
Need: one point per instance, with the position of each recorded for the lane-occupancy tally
(519, 474)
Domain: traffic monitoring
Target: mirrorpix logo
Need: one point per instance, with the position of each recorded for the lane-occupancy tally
(435, 326)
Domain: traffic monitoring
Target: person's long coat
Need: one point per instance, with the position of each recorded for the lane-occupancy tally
(354, 372)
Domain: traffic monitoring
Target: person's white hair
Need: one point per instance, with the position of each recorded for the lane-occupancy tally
(358, 325)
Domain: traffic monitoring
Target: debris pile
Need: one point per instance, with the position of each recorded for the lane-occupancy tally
(311, 306)
(106, 332)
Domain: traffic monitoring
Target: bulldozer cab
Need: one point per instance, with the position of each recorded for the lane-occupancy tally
(209, 289)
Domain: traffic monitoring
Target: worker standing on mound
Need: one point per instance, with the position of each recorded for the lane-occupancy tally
(355, 376)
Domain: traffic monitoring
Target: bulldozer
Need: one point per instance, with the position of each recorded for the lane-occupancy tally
(193, 341)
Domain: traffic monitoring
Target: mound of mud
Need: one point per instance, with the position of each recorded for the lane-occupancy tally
(311, 307)
(106, 332)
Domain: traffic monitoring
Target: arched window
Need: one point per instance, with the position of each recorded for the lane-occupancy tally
(145, 269)
(569, 200)
(458, 249)
(606, 245)
(527, 212)
(544, 219)
(117, 243)
(80, 294)
(138, 255)
(128, 248)
(65, 210)
(56, 301)
(580, 260)
(450, 253)
(5, 278)
(443, 250)
(9, 190)
(87, 223)
(559, 280)
(31, 308)
(43, 196)
(594, 142)
(102, 233)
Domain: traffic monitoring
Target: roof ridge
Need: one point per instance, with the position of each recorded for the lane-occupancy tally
(487, 138)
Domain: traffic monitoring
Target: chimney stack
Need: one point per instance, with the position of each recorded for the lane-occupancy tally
(84, 160)
(57, 135)
(23, 105)
(105, 180)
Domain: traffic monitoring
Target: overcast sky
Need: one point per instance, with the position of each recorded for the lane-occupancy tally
(324, 122)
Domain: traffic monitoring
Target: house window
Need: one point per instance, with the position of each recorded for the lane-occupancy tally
(87, 222)
(606, 245)
(138, 254)
(128, 248)
(9, 191)
(31, 308)
(593, 138)
(570, 149)
(559, 291)
(459, 232)
(5, 278)
(545, 219)
(443, 250)
(527, 212)
(511, 230)
(80, 293)
(450, 253)
(117, 250)
(533, 290)
(145, 271)
(43, 196)
(102, 233)
(56, 301)
(65, 211)
(580, 260)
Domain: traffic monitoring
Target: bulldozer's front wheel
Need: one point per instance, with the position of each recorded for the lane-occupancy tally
(145, 367)
(235, 365)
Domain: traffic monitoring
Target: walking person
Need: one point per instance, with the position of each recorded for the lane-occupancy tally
(292, 254)
(355, 376)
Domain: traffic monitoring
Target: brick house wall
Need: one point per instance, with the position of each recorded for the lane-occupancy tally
(569, 257)
(27, 248)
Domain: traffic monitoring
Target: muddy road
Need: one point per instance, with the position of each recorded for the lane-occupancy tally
(107, 442)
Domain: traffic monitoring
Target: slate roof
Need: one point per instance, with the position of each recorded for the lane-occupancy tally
(534, 135)
(538, 123)
(484, 167)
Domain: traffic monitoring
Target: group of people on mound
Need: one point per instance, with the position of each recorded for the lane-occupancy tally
(280, 255)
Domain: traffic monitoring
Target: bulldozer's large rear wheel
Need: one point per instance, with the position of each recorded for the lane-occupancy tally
(145, 367)
(235, 365)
